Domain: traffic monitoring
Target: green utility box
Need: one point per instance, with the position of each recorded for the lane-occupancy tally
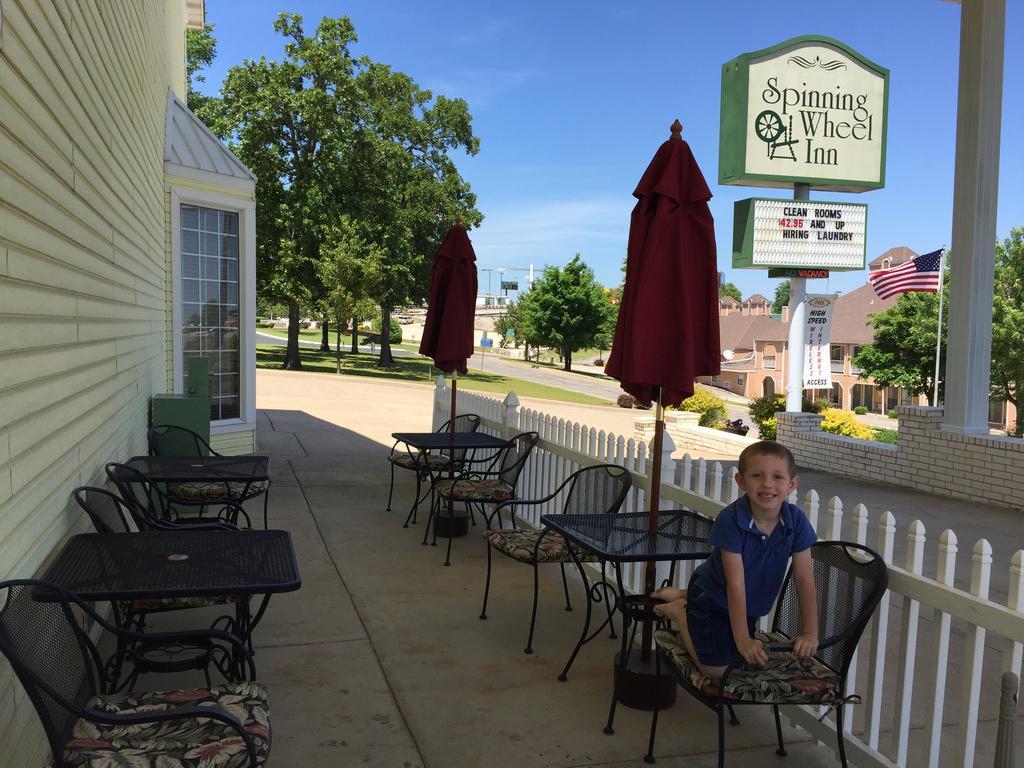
(191, 410)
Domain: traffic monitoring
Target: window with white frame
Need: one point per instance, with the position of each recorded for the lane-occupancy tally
(768, 361)
(210, 302)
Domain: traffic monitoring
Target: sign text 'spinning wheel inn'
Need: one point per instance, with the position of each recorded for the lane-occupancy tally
(809, 110)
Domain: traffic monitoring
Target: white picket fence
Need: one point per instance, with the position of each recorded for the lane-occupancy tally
(921, 668)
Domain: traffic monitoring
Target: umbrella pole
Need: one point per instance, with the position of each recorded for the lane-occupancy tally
(654, 507)
(451, 413)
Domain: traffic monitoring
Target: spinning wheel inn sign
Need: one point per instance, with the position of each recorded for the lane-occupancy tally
(808, 110)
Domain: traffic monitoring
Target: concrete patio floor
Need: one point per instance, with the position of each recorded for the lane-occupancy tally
(381, 660)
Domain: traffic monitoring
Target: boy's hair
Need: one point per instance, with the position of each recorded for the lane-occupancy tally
(767, 448)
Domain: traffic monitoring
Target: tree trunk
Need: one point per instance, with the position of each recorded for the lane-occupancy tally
(325, 339)
(292, 359)
(337, 345)
(567, 360)
(355, 336)
(386, 360)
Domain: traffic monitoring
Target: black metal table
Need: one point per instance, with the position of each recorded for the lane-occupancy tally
(624, 538)
(168, 564)
(171, 470)
(448, 442)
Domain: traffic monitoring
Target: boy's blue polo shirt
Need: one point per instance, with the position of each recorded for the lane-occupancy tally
(765, 557)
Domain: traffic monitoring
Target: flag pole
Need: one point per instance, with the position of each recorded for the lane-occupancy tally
(938, 329)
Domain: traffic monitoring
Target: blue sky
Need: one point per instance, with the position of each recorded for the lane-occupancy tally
(571, 100)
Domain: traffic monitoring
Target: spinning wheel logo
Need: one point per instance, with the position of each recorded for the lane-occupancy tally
(776, 134)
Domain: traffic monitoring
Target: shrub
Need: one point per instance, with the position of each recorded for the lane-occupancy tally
(860, 410)
(266, 324)
(886, 436)
(894, 414)
(599, 363)
(762, 413)
(394, 330)
(843, 423)
(711, 409)
(626, 400)
(764, 408)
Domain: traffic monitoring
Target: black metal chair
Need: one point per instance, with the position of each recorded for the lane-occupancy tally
(850, 579)
(153, 509)
(169, 440)
(490, 480)
(109, 514)
(427, 465)
(591, 490)
(61, 670)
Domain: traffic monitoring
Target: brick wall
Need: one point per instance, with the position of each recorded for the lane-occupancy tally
(979, 468)
(691, 438)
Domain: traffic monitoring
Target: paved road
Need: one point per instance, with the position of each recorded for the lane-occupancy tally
(601, 387)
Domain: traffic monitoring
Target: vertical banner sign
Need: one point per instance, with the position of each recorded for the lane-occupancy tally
(817, 333)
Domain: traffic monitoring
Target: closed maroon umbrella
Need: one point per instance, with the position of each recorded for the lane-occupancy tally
(448, 329)
(667, 331)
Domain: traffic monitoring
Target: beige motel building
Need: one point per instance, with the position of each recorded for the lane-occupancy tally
(754, 350)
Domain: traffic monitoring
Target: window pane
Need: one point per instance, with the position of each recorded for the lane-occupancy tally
(209, 292)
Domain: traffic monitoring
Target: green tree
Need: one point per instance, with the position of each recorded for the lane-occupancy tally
(515, 319)
(566, 308)
(781, 297)
(331, 135)
(1007, 370)
(728, 289)
(200, 51)
(903, 351)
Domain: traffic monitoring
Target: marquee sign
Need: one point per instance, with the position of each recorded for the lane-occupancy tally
(799, 234)
(809, 110)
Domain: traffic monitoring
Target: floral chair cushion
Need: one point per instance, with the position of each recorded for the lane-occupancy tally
(431, 461)
(215, 490)
(186, 743)
(521, 544)
(785, 679)
(151, 605)
(487, 490)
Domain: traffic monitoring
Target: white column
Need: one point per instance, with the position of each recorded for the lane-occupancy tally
(975, 192)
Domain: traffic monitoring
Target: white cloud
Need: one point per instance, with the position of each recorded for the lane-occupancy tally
(479, 86)
(489, 32)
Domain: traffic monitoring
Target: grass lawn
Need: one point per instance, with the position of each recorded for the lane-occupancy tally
(316, 335)
(418, 370)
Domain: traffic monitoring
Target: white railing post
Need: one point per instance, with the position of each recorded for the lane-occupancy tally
(442, 404)
(879, 632)
(834, 510)
(974, 654)
(734, 487)
(1015, 602)
(702, 477)
(509, 415)
(860, 524)
(716, 482)
(940, 647)
(908, 649)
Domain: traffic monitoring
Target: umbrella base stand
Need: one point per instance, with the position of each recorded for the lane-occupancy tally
(638, 686)
(451, 527)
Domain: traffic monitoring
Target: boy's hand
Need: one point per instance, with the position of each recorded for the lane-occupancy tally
(752, 651)
(805, 646)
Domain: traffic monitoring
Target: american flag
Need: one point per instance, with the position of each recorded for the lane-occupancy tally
(920, 274)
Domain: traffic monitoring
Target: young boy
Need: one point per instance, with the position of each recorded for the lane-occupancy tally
(752, 540)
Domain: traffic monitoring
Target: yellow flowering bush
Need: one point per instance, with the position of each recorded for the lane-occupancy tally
(844, 423)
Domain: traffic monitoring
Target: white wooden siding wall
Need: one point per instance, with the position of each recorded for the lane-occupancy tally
(83, 87)
(964, 640)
